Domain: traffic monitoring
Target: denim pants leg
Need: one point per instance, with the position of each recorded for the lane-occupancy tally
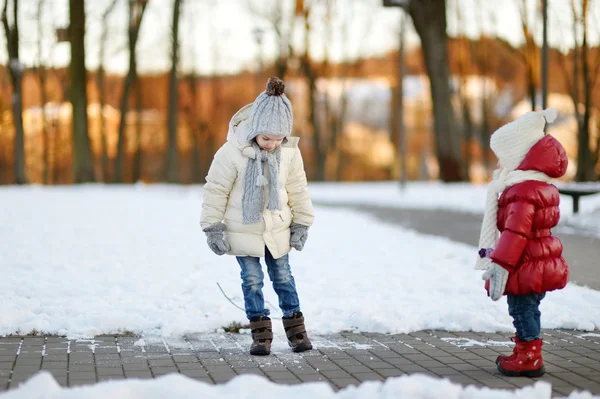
(524, 309)
(284, 285)
(252, 284)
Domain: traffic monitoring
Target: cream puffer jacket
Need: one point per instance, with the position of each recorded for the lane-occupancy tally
(223, 193)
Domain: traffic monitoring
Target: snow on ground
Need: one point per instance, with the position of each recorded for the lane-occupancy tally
(43, 386)
(460, 197)
(81, 261)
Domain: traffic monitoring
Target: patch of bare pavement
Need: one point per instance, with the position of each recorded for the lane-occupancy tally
(572, 359)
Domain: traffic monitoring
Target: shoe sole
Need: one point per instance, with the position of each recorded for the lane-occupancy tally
(498, 359)
(300, 347)
(527, 373)
(260, 352)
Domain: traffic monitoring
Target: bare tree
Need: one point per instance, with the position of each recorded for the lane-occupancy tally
(16, 75)
(193, 118)
(82, 154)
(60, 75)
(594, 81)
(217, 98)
(482, 59)
(328, 112)
(171, 165)
(194, 125)
(429, 20)
(339, 121)
(480, 54)
(41, 72)
(584, 76)
(585, 158)
(310, 72)
(530, 54)
(136, 13)
(463, 59)
(137, 158)
(337, 115)
(275, 14)
(100, 82)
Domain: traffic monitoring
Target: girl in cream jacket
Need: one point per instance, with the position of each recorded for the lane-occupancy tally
(256, 205)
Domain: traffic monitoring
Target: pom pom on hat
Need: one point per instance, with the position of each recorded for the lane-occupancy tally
(550, 114)
(275, 87)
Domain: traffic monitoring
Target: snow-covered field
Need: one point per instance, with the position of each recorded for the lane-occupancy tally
(87, 260)
(462, 197)
(176, 386)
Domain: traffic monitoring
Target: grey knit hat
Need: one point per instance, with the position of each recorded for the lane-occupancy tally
(271, 112)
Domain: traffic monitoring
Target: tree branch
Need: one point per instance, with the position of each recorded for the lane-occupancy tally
(568, 82)
(596, 64)
(6, 27)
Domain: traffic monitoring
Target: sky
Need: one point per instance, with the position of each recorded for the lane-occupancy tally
(217, 35)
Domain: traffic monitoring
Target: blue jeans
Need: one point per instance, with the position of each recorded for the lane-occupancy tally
(524, 309)
(280, 274)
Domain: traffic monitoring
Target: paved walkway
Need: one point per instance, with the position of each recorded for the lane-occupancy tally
(572, 359)
(581, 250)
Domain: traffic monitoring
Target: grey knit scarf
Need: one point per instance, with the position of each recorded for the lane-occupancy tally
(254, 181)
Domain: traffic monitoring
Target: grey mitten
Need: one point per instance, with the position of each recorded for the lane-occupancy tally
(498, 277)
(299, 236)
(216, 239)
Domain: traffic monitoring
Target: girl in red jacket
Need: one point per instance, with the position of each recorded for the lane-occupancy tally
(524, 261)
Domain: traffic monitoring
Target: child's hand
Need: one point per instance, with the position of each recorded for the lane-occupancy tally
(498, 277)
(216, 239)
(299, 236)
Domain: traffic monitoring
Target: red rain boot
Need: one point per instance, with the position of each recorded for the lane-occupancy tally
(528, 361)
(499, 359)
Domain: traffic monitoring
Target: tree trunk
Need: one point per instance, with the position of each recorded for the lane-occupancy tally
(429, 19)
(119, 160)
(103, 140)
(135, 22)
(137, 159)
(531, 90)
(486, 135)
(585, 158)
(16, 75)
(210, 142)
(82, 154)
(484, 128)
(171, 169)
(319, 153)
(45, 139)
(193, 126)
(41, 69)
(468, 133)
(102, 92)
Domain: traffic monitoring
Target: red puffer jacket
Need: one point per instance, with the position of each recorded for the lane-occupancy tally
(526, 213)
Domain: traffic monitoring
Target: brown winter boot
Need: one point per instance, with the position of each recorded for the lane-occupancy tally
(527, 362)
(262, 336)
(296, 333)
(499, 359)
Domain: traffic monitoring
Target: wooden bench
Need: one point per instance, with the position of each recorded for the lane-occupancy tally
(578, 190)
